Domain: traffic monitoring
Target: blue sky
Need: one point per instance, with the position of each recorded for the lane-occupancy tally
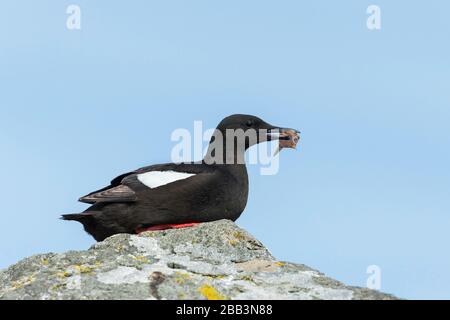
(369, 186)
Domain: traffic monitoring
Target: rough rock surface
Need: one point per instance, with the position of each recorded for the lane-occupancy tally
(215, 260)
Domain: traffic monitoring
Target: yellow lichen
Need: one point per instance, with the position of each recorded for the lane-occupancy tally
(280, 264)
(239, 235)
(58, 286)
(246, 278)
(22, 282)
(210, 293)
(44, 262)
(182, 277)
(180, 280)
(142, 259)
(83, 269)
(64, 274)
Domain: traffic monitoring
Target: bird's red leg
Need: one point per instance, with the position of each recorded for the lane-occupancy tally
(167, 226)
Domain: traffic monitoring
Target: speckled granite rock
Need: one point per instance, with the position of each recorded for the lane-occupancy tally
(215, 260)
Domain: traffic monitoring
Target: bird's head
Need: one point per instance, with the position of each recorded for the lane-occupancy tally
(254, 130)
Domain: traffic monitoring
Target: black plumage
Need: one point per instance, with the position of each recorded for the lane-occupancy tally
(214, 191)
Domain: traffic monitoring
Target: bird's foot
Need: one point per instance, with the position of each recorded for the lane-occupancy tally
(167, 226)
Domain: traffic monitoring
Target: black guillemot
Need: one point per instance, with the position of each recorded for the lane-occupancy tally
(180, 195)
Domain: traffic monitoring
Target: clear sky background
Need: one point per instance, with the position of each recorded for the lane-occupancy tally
(370, 184)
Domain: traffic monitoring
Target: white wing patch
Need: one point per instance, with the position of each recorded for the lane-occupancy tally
(155, 179)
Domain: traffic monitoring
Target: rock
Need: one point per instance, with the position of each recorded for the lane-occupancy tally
(216, 260)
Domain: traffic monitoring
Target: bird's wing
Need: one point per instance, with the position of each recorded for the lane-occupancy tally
(153, 178)
(125, 187)
(115, 192)
(120, 193)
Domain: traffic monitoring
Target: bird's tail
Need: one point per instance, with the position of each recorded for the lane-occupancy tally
(92, 223)
(75, 217)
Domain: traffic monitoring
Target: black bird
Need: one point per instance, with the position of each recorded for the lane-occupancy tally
(178, 195)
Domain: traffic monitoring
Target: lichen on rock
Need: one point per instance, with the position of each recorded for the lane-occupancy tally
(211, 261)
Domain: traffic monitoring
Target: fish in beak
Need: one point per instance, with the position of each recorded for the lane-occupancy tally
(287, 138)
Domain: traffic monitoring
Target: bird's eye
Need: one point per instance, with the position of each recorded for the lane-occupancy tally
(249, 123)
